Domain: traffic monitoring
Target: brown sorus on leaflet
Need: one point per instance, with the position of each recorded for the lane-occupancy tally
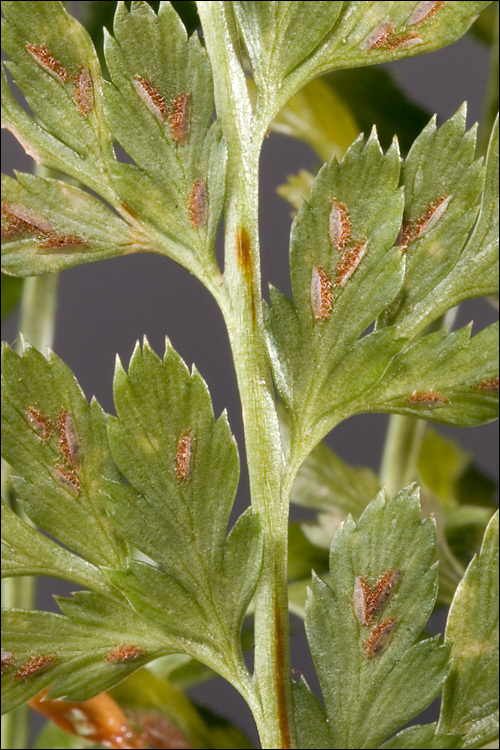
(83, 91)
(179, 119)
(124, 652)
(321, 293)
(7, 661)
(425, 11)
(68, 443)
(339, 225)
(44, 57)
(40, 422)
(198, 204)
(379, 637)
(34, 665)
(68, 479)
(427, 398)
(349, 261)
(151, 97)
(184, 456)
(22, 219)
(368, 600)
(490, 384)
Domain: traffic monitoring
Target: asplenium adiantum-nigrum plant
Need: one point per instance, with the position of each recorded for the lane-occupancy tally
(134, 508)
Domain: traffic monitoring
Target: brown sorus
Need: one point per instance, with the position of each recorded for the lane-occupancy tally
(151, 97)
(427, 398)
(124, 652)
(83, 91)
(488, 385)
(44, 57)
(339, 225)
(33, 666)
(184, 456)
(369, 600)
(7, 661)
(40, 422)
(425, 11)
(198, 204)
(379, 637)
(68, 479)
(55, 242)
(178, 119)
(68, 443)
(412, 230)
(349, 262)
(378, 36)
(22, 219)
(321, 293)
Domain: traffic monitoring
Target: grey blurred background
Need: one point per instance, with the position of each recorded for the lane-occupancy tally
(105, 307)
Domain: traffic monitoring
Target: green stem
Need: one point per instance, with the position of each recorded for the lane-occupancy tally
(490, 104)
(244, 320)
(401, 450)
(38, 308)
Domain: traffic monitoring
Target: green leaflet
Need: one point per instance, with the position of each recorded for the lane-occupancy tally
(470, 696)
(26, 551)
(312, 725)
(159, 107)
(281, 36)
(57, 444)
(442, 184)
(363, 627)
(182, 466)
(339, 35)
(448, 378)
(88, 649)
(421, 736)
(344, 270)
(461, 272)
(345, 262)
(62, 82)
(51, 225)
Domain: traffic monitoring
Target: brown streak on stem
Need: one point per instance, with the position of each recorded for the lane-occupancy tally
(244, 257)
(280, 680)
